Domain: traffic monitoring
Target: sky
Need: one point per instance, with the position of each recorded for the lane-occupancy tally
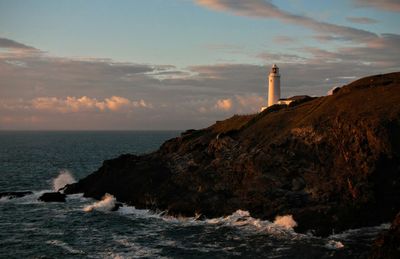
(180, 64)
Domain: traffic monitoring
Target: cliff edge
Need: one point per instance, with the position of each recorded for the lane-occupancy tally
(332, 162)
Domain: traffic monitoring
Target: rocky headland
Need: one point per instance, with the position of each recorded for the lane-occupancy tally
(332, 162)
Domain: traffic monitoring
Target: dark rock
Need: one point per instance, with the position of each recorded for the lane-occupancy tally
(52, 197)
(329, 162)
(117, 206)
(298, 184)
(12, 195)
(387, 245)
(336, 90)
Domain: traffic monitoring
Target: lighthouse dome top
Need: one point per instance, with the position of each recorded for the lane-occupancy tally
(275, 69)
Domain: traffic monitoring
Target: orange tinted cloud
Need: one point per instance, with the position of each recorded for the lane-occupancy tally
(224, 104)
(84, 103)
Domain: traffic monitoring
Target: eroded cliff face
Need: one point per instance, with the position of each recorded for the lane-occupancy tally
(333, 162)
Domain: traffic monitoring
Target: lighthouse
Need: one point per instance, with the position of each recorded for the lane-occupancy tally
(274, 88)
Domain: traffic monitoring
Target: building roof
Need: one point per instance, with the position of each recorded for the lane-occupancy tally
(294, 98)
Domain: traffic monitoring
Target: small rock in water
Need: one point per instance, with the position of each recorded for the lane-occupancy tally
(52, 197)
(117, 206)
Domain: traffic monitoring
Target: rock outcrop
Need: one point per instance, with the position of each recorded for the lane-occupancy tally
(52, 197)
(332, 162)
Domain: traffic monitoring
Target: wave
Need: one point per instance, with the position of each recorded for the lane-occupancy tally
(336, 241)
(162, 215)
(27, 199)
(366, 231)
(286, 221)
(77, 196)
(332, 244)
(282, 226)
(65, 177)
(64, 246)
(141, 213)
(107, 203)
(134, 249)
(4, 199)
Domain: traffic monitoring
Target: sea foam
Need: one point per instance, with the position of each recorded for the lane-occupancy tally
(282, 227)
(332, 244)
(286, 221)
(64, 178)
(107, 203)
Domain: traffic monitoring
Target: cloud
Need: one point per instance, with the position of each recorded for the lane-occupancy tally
(379, 53)
(250, 101)
(237, 104)
(114, 103)
(285, 40)
(224, 104)
(230, 47)
(73, 104)
(387, 5)
(326, 38)
(265, 9)
(39, 91)
(7, 43)
(39, 74)
(12, 49)
(281, 58)
(362, 20)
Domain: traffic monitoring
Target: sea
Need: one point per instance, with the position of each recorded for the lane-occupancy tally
(42, 161)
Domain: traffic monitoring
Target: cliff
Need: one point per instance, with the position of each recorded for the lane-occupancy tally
(332, 162)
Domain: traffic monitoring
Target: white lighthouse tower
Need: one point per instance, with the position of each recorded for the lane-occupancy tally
(274, 89)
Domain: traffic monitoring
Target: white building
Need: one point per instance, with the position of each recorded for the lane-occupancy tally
(274, 88)
(287, 101)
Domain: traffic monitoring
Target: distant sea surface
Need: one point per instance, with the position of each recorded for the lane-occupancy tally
(84, 228)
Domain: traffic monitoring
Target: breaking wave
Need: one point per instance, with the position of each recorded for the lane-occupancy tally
(107, 203)
(5, 199)
(286, 221)
(64, 178)
(332, 244)
(372, 232)
(283, 225)
(26, 199)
